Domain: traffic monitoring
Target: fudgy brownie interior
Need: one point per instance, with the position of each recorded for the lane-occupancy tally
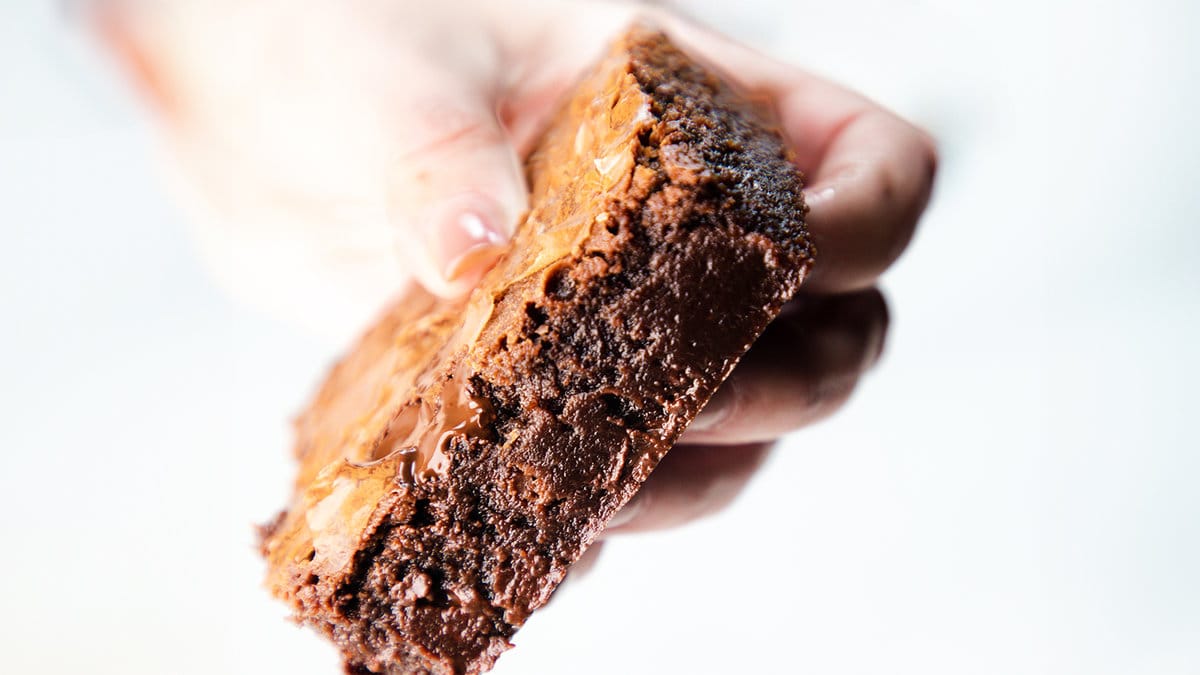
(464, 455)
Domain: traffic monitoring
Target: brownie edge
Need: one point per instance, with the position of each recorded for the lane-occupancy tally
(464, 454)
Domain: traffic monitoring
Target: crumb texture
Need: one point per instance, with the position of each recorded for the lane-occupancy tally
(463, 455)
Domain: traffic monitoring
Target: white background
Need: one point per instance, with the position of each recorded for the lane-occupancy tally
(1013, 490)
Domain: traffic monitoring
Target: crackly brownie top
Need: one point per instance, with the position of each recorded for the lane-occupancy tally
(650, 147)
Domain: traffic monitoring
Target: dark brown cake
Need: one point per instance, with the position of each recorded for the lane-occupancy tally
(464, 455)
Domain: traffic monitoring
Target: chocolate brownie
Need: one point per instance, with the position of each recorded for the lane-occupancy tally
(465, 454)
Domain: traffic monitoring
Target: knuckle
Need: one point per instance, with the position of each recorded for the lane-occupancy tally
(441, 127)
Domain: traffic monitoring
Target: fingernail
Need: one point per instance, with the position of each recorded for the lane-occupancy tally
(818, 197)
(626, 514)
(718, 409)
(466, 234)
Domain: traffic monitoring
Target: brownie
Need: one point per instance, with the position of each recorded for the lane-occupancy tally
(465, 453)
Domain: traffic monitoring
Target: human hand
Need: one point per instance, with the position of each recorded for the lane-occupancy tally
(362, 139)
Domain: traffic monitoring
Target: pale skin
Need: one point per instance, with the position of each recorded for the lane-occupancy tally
(357, 143)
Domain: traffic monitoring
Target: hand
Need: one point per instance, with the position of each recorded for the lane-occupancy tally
(337, 148)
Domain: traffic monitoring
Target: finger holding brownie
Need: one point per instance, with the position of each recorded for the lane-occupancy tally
(335, 152)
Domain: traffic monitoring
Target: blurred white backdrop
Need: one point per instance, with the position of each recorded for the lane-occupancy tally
(1013, 490)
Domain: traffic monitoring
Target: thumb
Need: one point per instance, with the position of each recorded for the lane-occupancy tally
(456, 190)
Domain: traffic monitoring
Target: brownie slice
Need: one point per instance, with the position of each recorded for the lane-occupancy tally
(465, 454)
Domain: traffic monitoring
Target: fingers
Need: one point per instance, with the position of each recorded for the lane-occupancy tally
(869, 173)
(329, 103)
(802, 369)
(456, 189)
(691, 482)
(866, 195)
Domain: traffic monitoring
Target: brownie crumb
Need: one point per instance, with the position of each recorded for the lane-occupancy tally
(464, 454)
